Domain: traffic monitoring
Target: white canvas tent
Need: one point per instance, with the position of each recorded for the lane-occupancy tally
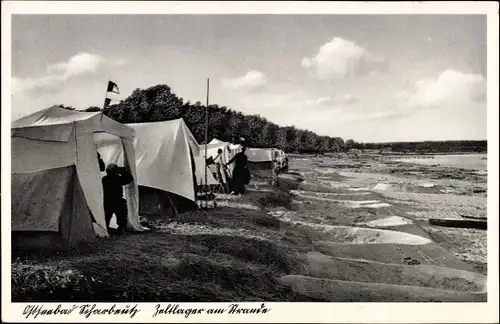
(260, 154)
(163, 157)
(56, 182)
(229, 150)
(200, 173)
(216, 141)
(261, 161)
(254, 154)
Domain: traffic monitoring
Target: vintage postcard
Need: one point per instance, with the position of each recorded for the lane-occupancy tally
(249, 161)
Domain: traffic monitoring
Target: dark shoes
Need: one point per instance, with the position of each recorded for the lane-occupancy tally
(118, 231)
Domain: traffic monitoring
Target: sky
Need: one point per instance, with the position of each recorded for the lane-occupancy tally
(371, 78)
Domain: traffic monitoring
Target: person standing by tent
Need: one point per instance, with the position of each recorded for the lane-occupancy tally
(114, 203)
(220, 164)
(241, 173)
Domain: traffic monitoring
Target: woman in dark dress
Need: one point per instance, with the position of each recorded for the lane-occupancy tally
(241, 174)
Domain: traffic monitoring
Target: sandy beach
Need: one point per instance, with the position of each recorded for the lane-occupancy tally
(415, 191)
(335, 228)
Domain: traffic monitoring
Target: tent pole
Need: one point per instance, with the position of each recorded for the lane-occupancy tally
(206, 140)
(105, 98)
(176, 213)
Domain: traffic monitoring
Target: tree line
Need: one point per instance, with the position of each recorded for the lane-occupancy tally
(159, 103)
(423, 147)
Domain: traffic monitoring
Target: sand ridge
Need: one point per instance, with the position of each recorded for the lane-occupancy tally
(343, 291)
(327, 267)
(392, 264)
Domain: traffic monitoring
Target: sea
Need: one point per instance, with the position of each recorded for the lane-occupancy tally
(465, 161)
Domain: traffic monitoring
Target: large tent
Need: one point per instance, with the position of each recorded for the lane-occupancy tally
(229, 150)
(56, 181)
(260, 160)
(200, 173)
(166, 162)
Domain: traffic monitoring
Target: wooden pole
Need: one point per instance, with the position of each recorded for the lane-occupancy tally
(105, 98)
(206, 141)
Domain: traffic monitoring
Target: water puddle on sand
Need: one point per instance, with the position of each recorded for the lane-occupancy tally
(360, 235)
(327, 194)
(349, 203)
(406, 187)
(376, 204)
(323, 233)
(359, 189)
(387, 222)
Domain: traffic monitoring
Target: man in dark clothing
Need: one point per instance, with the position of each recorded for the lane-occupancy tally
(241, 174)
(114, 203)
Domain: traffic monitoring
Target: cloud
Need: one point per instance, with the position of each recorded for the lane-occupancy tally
(306, 63)
(450, 89)
(345, 99)
(341, 100)
(340, 58)
(22, 85)
(256, 101)
(77, 65)
(323, 100)
(385, 115)
(253, 79)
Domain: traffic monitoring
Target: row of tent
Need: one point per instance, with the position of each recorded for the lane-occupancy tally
(56, 181)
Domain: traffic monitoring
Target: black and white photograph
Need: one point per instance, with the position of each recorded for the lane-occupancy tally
(248, 158)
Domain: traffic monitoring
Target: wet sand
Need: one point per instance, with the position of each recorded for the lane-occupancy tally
(416, 192)
(368, 220)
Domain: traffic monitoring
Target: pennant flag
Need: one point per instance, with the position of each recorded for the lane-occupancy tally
(113, 87)
(107, 101)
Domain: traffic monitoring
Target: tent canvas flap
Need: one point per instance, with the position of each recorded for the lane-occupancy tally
(163, 157)
(38, 199)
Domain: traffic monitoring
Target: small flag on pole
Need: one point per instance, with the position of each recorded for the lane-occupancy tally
(107, 101)
(113, 87)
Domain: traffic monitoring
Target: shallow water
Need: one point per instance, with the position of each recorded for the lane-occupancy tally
(469, 161)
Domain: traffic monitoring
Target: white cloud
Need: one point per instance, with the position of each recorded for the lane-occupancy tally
(306, 63)
(378, 115)
(21, 85)
(79, 64)
(253, 79)
(254, 102)
(340, 58)
(450, 89)
(345, 99)
(323, 100)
